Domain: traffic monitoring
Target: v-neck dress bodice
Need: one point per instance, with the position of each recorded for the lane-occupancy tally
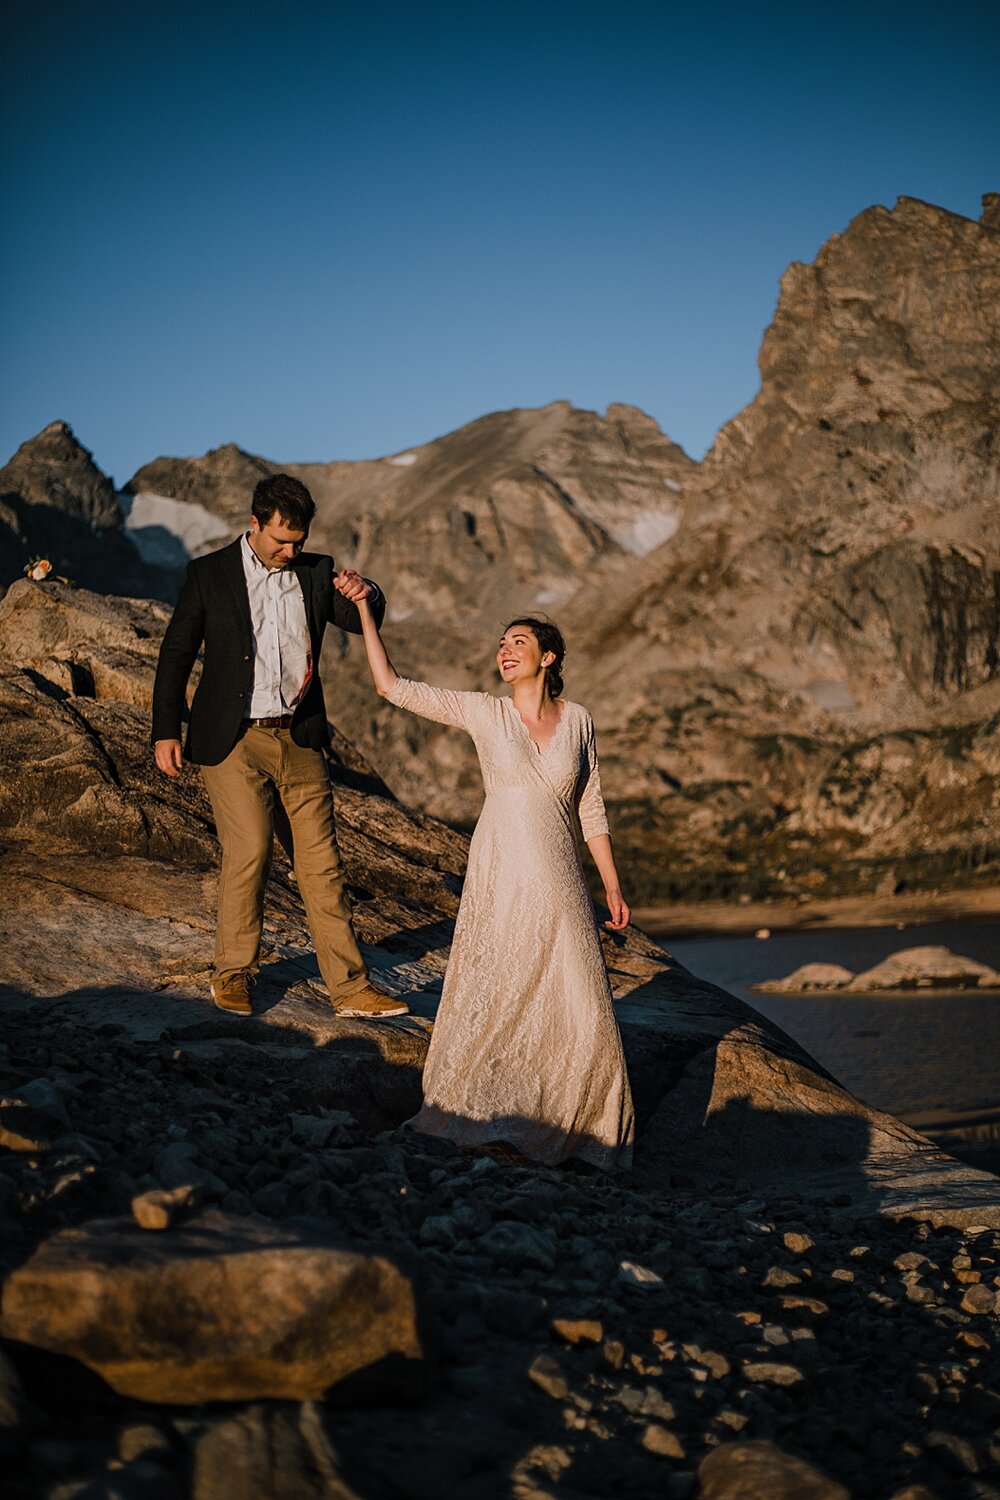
(525, 1046)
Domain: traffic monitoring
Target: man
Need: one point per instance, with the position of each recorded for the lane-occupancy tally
(257, 729)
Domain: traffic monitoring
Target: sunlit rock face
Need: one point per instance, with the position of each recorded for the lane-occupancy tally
(799, 692)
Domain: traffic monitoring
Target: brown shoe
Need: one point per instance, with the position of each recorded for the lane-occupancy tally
(371, 1004)
(233, 993)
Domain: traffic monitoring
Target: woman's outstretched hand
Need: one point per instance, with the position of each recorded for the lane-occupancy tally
(350, 583)
(619, 909)
(356, 589)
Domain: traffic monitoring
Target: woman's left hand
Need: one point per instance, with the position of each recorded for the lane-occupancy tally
(618, 907)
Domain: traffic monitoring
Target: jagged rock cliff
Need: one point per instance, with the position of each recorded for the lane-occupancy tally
(56, 503)
(804, 685)
(54, 469)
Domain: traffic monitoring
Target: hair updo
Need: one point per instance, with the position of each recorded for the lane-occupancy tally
(550, 639)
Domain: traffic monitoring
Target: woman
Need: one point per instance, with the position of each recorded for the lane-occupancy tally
(525, 1047)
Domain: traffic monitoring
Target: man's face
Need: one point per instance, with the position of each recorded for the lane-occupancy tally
(276, 543)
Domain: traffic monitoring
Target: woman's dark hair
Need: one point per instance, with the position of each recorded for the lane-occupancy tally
(550, 639)
(288, 496)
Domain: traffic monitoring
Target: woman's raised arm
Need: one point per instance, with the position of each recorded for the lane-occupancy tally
(353, 587)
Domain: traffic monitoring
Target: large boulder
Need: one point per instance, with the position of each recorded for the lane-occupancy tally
(763, 1471)
(218, 1309)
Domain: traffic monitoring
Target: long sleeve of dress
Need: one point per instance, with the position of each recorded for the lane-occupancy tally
(589, 801)
(443, 705)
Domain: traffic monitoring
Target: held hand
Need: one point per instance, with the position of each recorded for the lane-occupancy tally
(169, 758)
(618, 907)
(351, 584)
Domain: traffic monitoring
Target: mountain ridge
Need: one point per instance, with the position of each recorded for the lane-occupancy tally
(791, 648)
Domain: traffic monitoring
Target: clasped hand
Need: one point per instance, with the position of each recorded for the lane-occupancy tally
(350, 583)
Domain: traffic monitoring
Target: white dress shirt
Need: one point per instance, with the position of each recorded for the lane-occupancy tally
(282, 653)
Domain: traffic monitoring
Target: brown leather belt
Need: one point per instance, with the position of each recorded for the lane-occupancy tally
(276, 721)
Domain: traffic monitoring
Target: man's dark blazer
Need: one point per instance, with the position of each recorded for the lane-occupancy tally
(214, 609)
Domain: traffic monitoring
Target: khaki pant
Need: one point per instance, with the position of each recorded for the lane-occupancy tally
(268, 780)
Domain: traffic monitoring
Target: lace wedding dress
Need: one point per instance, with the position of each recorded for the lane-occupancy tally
(525, 1047)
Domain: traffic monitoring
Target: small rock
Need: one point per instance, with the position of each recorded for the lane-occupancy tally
(630, 1397)
(161, 1207)
(808, 977)
(771, 1372)
(910, 1260)
(308, 1130)
(842, 1273)
(439, 1229)
(660, 1440)
(548, 1374)
(653, 1405)
(954, 1452)
(614, 1353)
(778, 1276)
(633, 1274)
(979, 1299)
(717, 1363)
(922, 1296)
(578, 1330)
(142, 1440)
(797, 1303)
(761, 1471)
(798, 1244)
(519, 1244)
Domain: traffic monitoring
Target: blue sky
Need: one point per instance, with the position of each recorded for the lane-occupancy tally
(335, 230)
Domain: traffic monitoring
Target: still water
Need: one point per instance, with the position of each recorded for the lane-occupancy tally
(908, 1054)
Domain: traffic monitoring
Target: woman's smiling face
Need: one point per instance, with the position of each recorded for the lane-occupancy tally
(519, 657)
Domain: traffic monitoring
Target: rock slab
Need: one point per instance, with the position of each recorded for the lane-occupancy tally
(222, 1309)
(751, 1471)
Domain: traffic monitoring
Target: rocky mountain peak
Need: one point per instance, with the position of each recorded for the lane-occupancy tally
(222, 480)
(55, 469)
